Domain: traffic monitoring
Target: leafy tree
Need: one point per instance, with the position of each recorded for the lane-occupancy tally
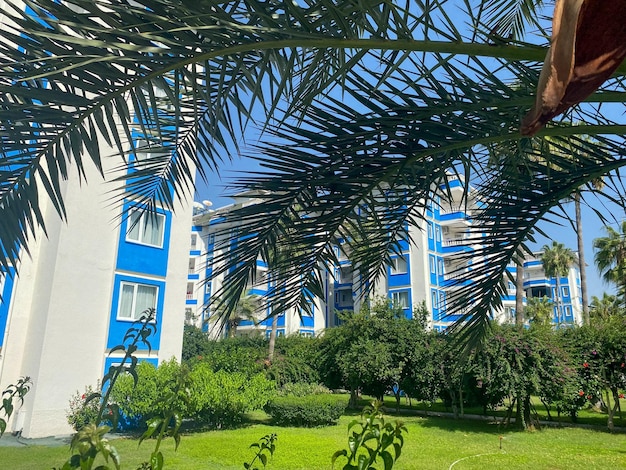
(369, 350)
(600, 354)
(340, 137)
(557, 260)
(602, 309)
(610, 257)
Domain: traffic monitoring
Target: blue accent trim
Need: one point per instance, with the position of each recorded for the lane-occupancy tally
(195, 253)
(191, 302)
(193, 277)
(118, 328)
(5, 302)
(307, 321)
(140, 258)
(196, 228)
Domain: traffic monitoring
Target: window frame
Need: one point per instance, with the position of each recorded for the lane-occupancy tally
(133, 317)
(140, 224)
(396, 297)
(393, 265)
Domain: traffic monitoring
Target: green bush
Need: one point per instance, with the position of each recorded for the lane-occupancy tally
(143, 401)
(300, 389)
(220, 399)
(309, 410)
(81, 412)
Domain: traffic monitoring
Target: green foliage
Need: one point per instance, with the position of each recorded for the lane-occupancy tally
(266, 446)
(81, 411)
(87, 444)
(142, 400)
(220, 399)
(369, 350)
(295, 360)
(427, 367)
(300, 389)
(12, 392)
(307, 411)
(371, 439)
(195, 343)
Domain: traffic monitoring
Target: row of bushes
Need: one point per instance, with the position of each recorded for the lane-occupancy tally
(215, 399)
(378, 351)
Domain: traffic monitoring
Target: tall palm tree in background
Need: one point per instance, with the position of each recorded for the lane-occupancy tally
(361, 106)
(610, 257)
(557, 260)
(571, 151)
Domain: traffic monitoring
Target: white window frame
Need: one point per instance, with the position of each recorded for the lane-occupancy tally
(134, 314)
(565, 291)
(394, 268)
(400, 299)
(140, 225)
(433, 265)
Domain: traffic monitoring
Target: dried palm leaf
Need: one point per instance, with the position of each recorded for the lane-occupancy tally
(588, 44)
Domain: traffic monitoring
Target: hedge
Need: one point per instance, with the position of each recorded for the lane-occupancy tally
(307, 411)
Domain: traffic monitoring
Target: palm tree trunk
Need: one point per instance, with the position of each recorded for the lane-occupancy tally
(581, 258)
(519, 292)
(272, 345)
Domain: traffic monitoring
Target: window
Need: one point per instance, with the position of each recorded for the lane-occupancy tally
(430, 231)
(136, 299)
(343, 298)
(438, 233)
(433, 268)
(565, 291)
(440, 265)
(400, 299)
(442, 300)
(207, 288)
(399, 265)
(192, 266)
(146, 228)
(190, 291)
(433, 299)
(194, 241)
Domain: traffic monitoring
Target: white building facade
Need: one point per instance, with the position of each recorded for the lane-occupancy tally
(427, 269)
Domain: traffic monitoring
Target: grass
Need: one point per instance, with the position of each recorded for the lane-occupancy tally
(431, 443)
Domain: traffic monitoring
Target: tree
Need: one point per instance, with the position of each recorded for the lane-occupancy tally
(539, 310)
(363, 105)
(557, 261)
(246, 308)
(610, 257)
(602, 309)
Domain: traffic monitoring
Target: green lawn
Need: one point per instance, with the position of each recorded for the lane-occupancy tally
(431, 443)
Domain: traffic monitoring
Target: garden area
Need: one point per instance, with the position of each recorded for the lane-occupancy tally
(529, 396)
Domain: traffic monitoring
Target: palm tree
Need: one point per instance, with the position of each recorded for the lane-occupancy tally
(610, 257)
(246, 308)
(363, 106)
(605, 307)
(557, 261)
(539, 310)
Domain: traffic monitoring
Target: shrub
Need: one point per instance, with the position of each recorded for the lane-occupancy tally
(81, 413)
(143, 401)
(310, 410)
(301, 389)
(220, 399)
